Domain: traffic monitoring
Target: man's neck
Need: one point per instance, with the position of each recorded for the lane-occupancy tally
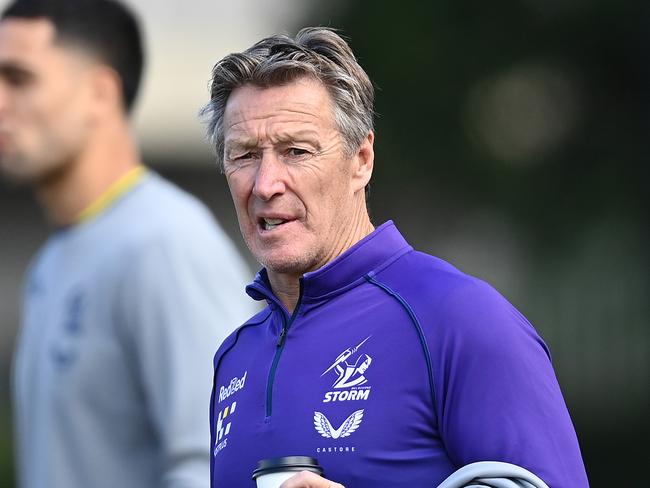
(66, 193)
(286, 286)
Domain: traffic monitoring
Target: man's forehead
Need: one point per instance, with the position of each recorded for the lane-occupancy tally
(33, 45)
(26, 37)
(301, 102)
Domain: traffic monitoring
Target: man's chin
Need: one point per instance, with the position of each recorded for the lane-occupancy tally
(15, 178)
(283, 267)
(16, 172)
(287, 264)
(25, 175)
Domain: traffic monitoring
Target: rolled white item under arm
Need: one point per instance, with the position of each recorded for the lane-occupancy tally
(492, 474)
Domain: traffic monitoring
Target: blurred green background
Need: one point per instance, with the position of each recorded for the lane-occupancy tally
(511, 140)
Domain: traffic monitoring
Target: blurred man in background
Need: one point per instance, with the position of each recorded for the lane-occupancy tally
(127, 301)
(451, 373)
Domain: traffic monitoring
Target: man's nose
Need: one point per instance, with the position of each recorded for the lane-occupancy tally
(270, 179)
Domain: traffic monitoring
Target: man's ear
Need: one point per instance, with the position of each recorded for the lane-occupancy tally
(106, 91)
(364, 160)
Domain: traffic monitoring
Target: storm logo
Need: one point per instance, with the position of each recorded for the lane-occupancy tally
(350, 373)
(324, 427)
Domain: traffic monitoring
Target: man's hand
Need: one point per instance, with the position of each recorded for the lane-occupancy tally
(307, 479)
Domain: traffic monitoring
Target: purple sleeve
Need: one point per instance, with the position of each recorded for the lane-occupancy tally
(212, 433)
(497, 397)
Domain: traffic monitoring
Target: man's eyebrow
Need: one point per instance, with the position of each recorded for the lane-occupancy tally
(12, 68)
(307, 135)
(240, 144)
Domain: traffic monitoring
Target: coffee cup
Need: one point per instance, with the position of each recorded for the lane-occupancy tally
(271, 473)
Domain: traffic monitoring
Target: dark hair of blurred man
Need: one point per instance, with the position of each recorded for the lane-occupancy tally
(126, 302)
(70, 71)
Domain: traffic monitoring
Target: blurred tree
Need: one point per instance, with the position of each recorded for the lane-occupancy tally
(533, 115)
(537, 107)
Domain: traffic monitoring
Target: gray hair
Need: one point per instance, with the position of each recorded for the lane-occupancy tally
(316, 52)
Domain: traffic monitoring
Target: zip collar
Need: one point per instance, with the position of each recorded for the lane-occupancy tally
(372, 252)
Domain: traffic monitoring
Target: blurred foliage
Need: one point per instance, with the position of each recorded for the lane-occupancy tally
(534, 113)
(427, 58)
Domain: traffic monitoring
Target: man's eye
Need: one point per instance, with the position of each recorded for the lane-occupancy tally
(17, 78)
(242, 157)
(238, 160)
(297, 152)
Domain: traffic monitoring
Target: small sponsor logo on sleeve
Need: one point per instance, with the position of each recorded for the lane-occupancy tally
(223, 427)
(224, 418)
(235, 385)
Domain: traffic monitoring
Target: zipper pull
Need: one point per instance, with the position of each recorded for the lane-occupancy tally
(283, 333)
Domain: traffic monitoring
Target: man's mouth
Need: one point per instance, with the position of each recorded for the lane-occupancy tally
(270, 224)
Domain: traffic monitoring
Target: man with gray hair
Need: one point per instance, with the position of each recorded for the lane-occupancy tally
(454, 373)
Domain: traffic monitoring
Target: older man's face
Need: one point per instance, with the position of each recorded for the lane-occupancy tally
(295, 191)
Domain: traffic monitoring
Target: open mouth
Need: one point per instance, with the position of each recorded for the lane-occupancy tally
(270, 224)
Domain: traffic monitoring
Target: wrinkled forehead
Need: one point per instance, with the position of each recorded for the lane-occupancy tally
(301, 102)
